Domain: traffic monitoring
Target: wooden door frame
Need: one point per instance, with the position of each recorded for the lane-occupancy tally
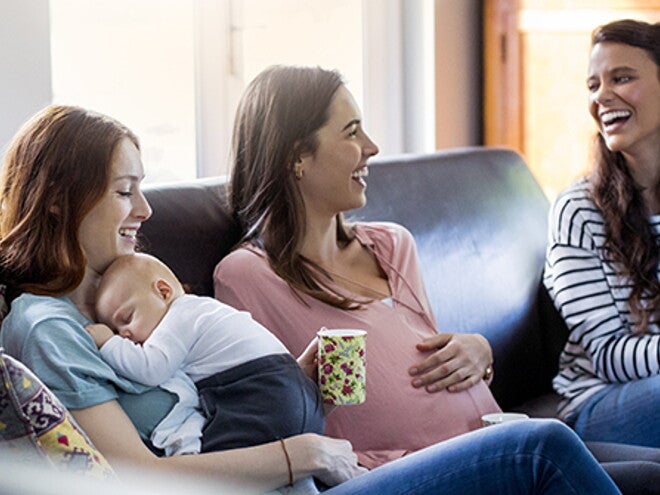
(502, 75)
(502, 58)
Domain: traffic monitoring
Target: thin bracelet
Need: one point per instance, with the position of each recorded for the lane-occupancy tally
(288, 462)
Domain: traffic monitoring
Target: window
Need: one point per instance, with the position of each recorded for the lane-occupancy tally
(133, 61)
(173, 70)
(300, 32)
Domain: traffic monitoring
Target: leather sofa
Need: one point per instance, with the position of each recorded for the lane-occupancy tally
(479, 219)
(480, 222)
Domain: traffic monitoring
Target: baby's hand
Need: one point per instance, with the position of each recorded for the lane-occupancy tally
(100, 333)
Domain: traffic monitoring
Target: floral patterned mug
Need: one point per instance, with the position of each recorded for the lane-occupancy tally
(342, 358)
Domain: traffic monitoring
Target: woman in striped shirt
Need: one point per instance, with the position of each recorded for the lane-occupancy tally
(603, 258)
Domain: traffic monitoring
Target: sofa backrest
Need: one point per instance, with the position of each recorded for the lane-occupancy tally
(479, 219)
(191, 229)
(480, 222)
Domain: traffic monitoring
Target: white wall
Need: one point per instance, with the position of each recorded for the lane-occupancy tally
(25, 84)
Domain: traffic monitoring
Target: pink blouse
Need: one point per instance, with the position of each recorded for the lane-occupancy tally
(396, 418)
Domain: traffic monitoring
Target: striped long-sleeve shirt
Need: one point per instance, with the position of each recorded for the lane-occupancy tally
(592, 296)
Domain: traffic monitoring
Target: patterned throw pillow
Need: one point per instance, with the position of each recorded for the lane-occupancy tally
(36, 427)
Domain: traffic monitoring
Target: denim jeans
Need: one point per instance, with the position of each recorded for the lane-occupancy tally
(623, 413)
(520, 457)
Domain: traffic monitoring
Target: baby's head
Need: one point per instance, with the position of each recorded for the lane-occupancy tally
(134, 294)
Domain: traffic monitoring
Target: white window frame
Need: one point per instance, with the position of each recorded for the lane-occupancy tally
(398, 99)
(214, 79)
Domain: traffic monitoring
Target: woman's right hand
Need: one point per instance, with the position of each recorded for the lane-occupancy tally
(256, 469)
(308, 360)
(330, 460)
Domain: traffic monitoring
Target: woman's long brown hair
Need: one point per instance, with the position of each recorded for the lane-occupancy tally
(628, 234)
(276, 122)
(55, 171)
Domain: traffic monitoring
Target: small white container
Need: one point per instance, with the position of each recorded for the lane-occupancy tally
(498, 418)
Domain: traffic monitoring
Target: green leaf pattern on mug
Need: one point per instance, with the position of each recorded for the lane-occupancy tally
(342, 369)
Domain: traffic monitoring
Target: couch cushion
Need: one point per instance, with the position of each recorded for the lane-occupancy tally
(36, 428)
(190, 230)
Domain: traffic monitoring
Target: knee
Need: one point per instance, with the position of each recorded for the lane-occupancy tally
(552, 432)
(547, 427)
(554, 427)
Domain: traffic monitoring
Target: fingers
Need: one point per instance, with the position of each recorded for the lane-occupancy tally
(343, 462)
(448, 375)
(442, 355)
(455, 365)
(309, 354)
(465, 384)
(436, 342)
(308, 360)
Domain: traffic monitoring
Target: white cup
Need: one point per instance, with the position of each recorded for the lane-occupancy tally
(499, 418)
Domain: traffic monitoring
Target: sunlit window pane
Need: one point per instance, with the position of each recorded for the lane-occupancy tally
(133, 60)
(137, 61)
(327, 33)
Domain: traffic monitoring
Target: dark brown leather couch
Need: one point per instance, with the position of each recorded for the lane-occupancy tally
(480, 222)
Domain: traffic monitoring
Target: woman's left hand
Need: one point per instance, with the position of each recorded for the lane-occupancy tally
(458, 362)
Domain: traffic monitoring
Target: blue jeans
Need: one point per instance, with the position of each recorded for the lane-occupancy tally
(521, 457)
(623, 413)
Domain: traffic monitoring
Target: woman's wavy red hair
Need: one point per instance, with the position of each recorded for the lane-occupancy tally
(55, 171)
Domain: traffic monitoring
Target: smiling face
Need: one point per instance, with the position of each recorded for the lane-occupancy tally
(624, 100)
(333, 177)
(110, 228)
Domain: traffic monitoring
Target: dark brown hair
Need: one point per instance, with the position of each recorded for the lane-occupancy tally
(56, 169)
(276, 122)
(628, 234)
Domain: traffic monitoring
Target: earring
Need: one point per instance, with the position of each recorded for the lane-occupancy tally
(298, 170)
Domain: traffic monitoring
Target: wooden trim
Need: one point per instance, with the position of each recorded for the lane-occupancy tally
(502, 84)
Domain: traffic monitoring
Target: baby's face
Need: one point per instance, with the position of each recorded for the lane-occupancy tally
(131, 307)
